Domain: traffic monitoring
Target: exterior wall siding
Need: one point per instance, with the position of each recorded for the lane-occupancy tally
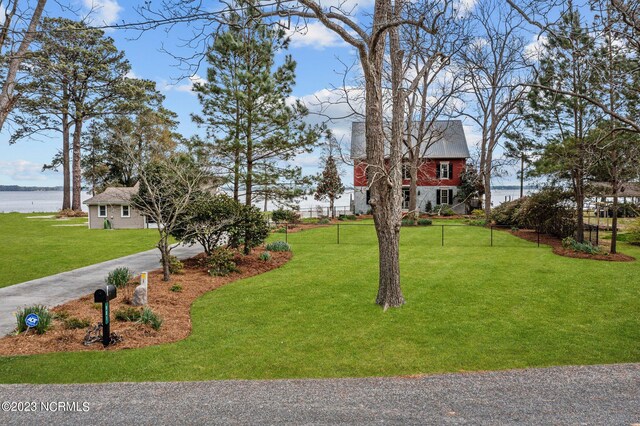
(136, 221)
(428, 184)
(427, 175)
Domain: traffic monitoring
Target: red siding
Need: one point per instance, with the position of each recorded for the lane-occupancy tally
(426, 173)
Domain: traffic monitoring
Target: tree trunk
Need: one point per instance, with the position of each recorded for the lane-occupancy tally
(413, 189)
(579, 193)
(486, 182)
(331, 208)
(614, 223)
(521, 177)
(163, 245)
(386, 189)
(7, 97)
(66, 169)
(76, 202)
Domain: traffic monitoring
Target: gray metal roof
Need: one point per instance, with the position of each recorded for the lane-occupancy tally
(448, 136)
(113, 195)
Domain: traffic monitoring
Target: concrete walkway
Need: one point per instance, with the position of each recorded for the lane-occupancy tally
(60, 288)
(588, 395)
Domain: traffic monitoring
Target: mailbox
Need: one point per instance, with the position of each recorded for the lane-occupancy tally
(104, 295)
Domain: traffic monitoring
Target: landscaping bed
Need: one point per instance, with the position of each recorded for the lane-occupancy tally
(173, 307)
(556, 244)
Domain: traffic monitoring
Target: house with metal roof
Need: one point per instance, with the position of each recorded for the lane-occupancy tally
(112, 209)
(442, 161)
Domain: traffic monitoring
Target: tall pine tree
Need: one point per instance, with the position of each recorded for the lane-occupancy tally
(251, 126)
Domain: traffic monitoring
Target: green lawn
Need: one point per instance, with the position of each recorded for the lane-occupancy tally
(469, 307)
(37, 247)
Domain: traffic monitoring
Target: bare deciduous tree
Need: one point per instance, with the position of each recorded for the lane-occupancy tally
(496, 68)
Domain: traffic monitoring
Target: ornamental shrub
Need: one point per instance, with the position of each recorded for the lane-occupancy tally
(42, 312)
(119, 277)
(282, 215)
(250, 230)
(265, 256)
(175, 265)
(149, 317)
(221, 262)
(424, 222)
(408, 222)
(278, 246)
(176, 288)
(586, 247)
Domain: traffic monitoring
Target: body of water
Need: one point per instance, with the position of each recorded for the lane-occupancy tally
(51, 201)
(33, 201)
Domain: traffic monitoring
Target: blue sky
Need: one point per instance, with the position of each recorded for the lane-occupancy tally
(316, 53)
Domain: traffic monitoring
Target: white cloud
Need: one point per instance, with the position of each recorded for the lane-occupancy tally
(316, 36)
(23, 170)
(103, 12)
(184, 87)
(535, 48)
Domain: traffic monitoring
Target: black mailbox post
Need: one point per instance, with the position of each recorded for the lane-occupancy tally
(104, 295)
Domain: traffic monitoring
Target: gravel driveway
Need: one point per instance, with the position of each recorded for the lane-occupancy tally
(599, 395)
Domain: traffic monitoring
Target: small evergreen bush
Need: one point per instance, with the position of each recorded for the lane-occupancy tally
(424, 222)
(119, 277)
(221, 262)
(175, 265)
(265, 256)
(42, 312)
(408, 222)
(282, 215)
(278, 246)
(477, 213)
(150, 318)
(126, 313)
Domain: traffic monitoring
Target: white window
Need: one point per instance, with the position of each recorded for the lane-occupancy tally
(102, 211)
(406, 171)
(444, 170)
(125, 211)
(444, 196)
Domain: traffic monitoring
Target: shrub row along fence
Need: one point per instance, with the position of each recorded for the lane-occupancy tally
(443, 235)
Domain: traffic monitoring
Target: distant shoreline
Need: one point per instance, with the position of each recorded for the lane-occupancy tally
(16, 188)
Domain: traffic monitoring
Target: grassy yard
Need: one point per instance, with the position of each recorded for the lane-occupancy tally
(469, 307)
(37, 247)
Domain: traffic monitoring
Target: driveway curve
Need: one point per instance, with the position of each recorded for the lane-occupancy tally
(61, 288)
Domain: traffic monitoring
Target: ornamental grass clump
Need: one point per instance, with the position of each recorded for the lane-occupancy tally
(127, 314)
(43, 314)
(150, 318)
(119, 277)
(278, 246)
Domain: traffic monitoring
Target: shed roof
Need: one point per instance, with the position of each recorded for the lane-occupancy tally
(448, 136)
(113, 195)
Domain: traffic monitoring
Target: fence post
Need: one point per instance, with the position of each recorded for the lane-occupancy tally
(338, 233)
(442, 226)
(286, 232)
(538, 229)
(491, 235)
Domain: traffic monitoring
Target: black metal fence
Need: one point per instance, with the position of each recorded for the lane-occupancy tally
(439, 234)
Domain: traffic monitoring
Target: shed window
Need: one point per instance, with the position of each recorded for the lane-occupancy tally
(102, 211)
(125, 211)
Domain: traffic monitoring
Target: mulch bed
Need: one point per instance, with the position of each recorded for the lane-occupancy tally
(172, 307)
(556, 244)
